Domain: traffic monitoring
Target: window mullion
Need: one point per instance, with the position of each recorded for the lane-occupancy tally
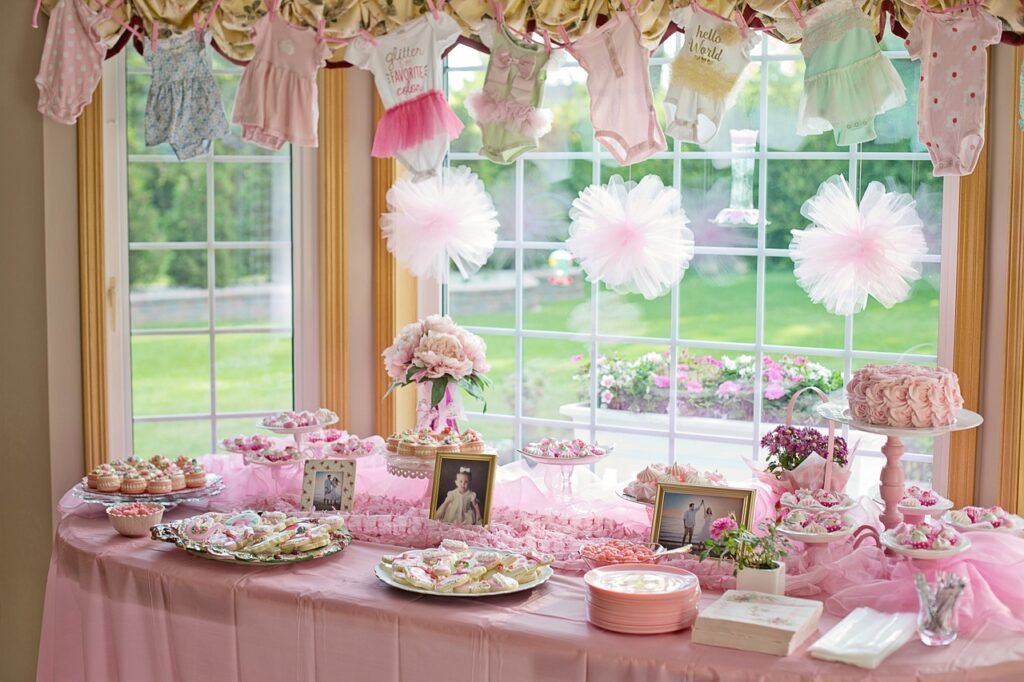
(762, 229)
(211, 284)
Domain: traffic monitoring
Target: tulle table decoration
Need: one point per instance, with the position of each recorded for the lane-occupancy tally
(853, 250)
(445, 216)
(631, 236)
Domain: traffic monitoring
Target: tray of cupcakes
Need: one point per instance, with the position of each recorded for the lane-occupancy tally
(412, 453)
(157, 479)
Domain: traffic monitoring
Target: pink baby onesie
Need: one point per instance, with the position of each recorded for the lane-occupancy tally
(72, 61)
(277, 97)
(619, 82)
(954, 77)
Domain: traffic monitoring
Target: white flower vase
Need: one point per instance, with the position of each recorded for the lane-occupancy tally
(445, 414)
(769, 580)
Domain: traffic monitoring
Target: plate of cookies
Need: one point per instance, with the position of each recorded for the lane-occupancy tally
(262, 538)
(454, 569)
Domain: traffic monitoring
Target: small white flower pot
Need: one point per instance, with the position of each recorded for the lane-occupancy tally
(771, 581)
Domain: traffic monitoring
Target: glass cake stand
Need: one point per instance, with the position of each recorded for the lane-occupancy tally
(565, 466)
(891, 481)
(214, 486)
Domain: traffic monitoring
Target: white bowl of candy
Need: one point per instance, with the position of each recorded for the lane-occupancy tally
(134, 519)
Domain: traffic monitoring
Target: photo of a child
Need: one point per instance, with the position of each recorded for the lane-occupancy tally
(462, 488)
(460, 504)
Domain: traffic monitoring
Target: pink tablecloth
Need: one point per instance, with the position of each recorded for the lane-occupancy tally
(121, 609)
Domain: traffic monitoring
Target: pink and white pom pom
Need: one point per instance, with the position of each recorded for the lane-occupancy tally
(446, 215)
(633, 237)
(854, 251)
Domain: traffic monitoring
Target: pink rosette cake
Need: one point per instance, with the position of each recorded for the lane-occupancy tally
(904, 396)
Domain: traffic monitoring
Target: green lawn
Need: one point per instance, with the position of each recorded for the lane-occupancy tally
(171, 374)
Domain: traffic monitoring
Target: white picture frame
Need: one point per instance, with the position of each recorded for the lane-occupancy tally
(328, 484)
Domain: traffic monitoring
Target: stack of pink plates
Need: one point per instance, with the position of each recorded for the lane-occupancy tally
(641, 599)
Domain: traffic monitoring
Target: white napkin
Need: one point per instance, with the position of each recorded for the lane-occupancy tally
(865, 637)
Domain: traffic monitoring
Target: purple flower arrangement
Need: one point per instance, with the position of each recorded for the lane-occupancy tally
(788, 446)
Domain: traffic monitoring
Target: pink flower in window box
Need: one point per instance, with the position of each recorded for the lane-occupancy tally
(694, 386)
(774, 391)
(661, 381)
(727, 388)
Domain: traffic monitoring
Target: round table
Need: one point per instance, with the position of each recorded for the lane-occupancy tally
(136, 609)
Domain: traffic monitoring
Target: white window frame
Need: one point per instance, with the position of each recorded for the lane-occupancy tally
(305, 269)
(432, 294)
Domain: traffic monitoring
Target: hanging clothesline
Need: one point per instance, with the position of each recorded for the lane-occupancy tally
(230, 21)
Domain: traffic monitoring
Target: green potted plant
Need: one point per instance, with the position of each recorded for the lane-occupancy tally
(757, 559)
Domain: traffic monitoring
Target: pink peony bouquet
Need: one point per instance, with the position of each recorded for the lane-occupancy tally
(438, 351)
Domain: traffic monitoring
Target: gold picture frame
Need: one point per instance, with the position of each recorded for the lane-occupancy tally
(447, 468)
(738, 501)
(319, 494)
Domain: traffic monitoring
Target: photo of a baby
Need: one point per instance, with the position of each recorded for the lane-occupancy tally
(462, 489)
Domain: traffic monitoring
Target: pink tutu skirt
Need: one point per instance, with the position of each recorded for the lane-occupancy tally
(413, 122)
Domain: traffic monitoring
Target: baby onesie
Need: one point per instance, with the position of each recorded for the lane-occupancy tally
(72, 61)
(184, 106)
(619, 82)
(406, 66)
(277, 96)
(954, 78)
(506, 109)
(847, 79)
(705, 75)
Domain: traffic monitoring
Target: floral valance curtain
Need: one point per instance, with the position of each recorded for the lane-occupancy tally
(344, 18)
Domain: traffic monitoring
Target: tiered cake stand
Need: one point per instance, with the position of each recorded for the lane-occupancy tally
(891, 483)
(299, 433)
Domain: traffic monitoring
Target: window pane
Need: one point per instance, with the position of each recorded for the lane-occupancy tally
(168, 289)
(166, 202)
(729, 281)
(172, 438)
(556, 293)
(254, 287)
(550, 367)
(254, 372)
(253, 201)
(488, 297)
(791, 319)
(566, 96)
(550, 186)
(170, 375)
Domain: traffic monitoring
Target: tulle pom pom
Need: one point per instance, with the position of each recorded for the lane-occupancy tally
(447, 215)
(633, 237)
(853, 251)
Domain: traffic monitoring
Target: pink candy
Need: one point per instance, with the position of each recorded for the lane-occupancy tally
(618, 552)
(136, 509)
